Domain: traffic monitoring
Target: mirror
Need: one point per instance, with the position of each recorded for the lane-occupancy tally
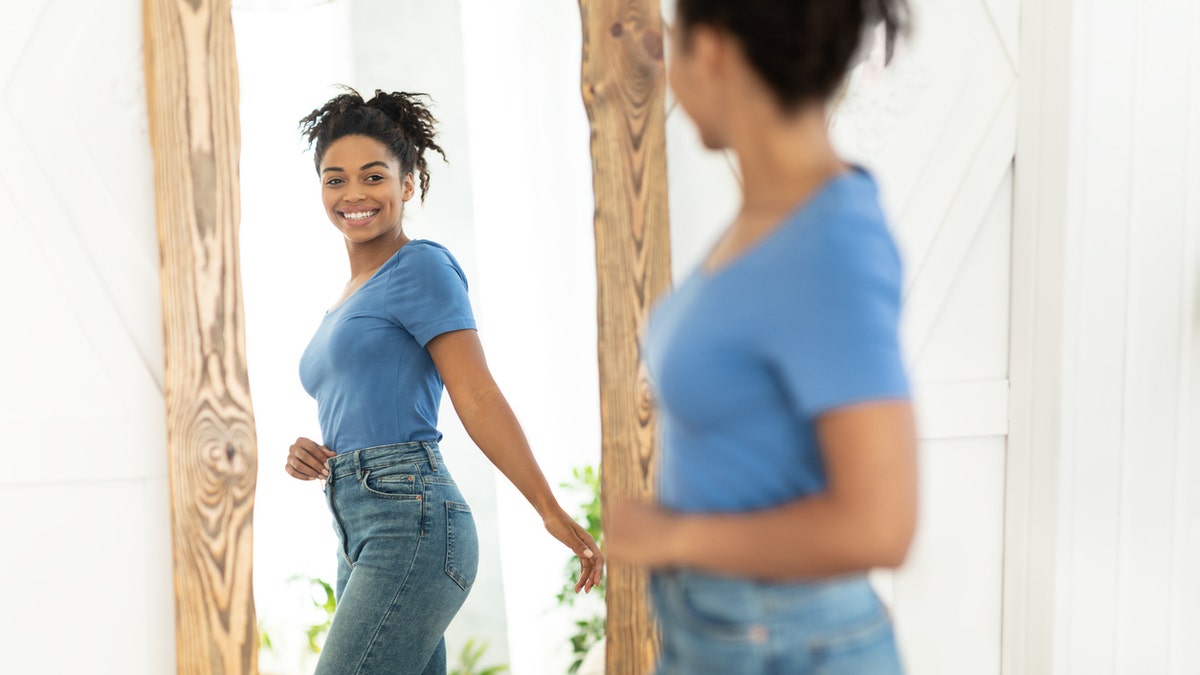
(514, 205)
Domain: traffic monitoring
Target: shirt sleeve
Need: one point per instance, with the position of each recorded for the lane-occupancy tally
(427, 294)
(835, 340)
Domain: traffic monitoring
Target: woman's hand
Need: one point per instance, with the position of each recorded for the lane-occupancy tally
(490, 421)
(863, 519)
(571, 533)
(643, 534)
(306, 460)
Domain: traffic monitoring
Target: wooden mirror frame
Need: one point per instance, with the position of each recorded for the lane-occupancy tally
(192, 96)
(624, 91)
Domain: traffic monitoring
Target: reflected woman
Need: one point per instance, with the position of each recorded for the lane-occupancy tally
(788, 462)
(376, 366)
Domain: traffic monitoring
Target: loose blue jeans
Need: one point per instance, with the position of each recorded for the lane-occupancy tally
(728, 626)
(408, 557)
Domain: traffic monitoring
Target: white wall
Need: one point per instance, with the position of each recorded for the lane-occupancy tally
(1104, 521)
(85, 549)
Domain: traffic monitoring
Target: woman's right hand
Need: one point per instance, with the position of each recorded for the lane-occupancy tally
(591, 560)
(306, 460)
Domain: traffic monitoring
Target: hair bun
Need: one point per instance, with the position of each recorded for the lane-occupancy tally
(399, 120)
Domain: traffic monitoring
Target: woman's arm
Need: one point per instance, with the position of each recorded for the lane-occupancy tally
(490, 421)
(864, 519)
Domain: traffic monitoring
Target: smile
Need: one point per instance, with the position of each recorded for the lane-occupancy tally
(359, 215)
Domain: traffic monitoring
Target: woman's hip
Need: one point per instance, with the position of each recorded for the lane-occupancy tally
(714, 624)
(383, 480)
(393, 503)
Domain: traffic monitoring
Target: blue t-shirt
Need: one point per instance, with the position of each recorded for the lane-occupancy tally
(745, 359)
(367, 366)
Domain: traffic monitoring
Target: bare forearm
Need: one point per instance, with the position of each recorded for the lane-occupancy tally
(493, 426)
(491, 423)
(809, 538)
(864, 518)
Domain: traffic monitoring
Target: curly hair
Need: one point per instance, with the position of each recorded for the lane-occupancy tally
(399, 120)
(802, 48)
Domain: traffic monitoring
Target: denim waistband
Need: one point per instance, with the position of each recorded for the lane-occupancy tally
(357, 461)
(847, 590)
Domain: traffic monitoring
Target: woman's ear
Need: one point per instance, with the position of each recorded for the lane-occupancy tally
(709, 47)
(409, 187)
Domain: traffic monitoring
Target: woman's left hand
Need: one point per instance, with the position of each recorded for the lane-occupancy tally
(591, 560)
(639, 533)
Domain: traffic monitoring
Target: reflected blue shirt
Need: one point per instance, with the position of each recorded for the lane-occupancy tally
(367, 367)
(745, 359)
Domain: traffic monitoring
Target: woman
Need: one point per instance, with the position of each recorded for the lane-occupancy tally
(788, 454)
(376, 366)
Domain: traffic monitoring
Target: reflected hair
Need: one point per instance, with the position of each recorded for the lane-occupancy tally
(801, 48)
(399, 120)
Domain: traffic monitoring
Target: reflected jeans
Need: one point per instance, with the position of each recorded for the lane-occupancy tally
(407, 559)
(730, 626)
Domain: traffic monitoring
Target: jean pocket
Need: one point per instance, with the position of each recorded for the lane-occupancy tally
(866, 645)
(715, 609)
(462, 545)
(390, 483)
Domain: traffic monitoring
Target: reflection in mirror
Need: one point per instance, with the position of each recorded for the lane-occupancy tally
(513, 203)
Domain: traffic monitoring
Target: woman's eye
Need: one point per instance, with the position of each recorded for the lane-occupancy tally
(375, 178)
(334, 181)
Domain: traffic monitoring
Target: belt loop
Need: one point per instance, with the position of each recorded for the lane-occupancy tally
(430, 448)
(358, 471)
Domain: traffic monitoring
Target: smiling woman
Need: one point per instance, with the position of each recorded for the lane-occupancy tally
(408, 550)
(386, 139)
(513, 204)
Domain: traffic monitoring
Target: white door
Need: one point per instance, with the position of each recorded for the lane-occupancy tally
(938, 129)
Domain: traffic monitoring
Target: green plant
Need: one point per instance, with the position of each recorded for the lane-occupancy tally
(470, 656)
(264, 639)
(322, 597)
(585, 482)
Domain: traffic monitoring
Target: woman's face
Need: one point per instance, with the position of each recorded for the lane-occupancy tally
(363, 188)
(694, 73)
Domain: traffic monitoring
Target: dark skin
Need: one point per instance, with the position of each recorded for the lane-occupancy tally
(364, 191)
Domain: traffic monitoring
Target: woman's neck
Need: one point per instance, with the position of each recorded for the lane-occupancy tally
(784, 158)
(366, 257)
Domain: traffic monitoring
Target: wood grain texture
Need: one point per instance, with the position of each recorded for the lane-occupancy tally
(624, 88)
(192, 91)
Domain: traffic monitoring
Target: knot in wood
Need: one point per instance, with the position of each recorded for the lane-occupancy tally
(617, 30)
(652, 42)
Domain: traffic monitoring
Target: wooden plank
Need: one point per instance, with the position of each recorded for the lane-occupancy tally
(624, 88)
(192, 91)
(1154, 397)
(946, 597)
(1097, 342)
(931, 280)
(1036, 451)
(1185, 613)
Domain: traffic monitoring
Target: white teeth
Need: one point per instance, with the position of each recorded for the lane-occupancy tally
(361, 215)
